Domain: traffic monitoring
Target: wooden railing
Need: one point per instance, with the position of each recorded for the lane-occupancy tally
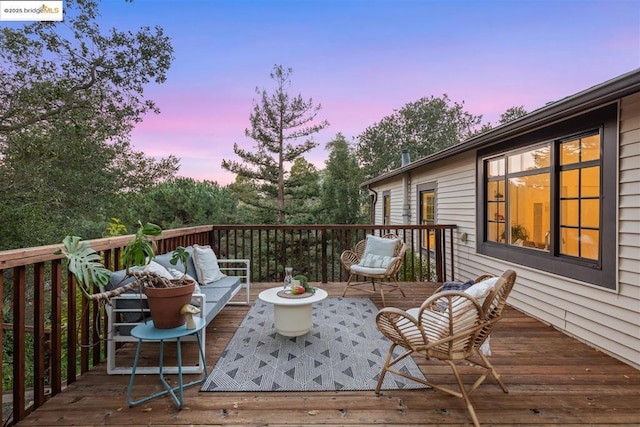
(60, 332)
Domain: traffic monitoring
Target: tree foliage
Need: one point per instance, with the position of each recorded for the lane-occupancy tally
(278, 120)
(510, 114)
(425, 126)
(342, 200)
(183, 202)
(53, 68)
(69, 95)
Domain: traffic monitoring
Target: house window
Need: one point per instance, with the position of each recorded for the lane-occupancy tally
(386, 208)
(543, 199)
(427, 213)
(518, 198)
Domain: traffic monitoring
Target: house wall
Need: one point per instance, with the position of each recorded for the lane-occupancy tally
(607, 319)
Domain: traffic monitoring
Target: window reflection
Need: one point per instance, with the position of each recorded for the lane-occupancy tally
(520, 199)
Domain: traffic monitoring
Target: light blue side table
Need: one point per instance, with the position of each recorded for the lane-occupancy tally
(147, 332)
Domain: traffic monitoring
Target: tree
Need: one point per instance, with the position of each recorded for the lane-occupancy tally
(277, 121)
(510, 114)
(342, 199)
(302, 193)
(69, 95)
(53, 68)
(184, 202)
(424, 127)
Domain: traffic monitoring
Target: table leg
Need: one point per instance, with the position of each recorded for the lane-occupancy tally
(168, 389)
(293, 321)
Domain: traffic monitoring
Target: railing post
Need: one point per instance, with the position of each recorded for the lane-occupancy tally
(323, 235)
(19, 318)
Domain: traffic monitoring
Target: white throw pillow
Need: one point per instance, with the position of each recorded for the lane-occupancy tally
(376, 261)
(378, 252)
(177, 274)
(481, 290)
(206, 263)
(159, 269)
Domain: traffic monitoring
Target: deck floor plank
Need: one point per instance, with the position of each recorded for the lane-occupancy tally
(553, 379)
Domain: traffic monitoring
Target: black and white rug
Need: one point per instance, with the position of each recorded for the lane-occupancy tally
(343, 351)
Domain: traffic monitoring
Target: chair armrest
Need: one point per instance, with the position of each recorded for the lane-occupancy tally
(400, 327)
(240, 265)
(393, 267)
(349, 258)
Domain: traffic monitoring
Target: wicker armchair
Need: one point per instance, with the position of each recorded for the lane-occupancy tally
(374, 258)
(450, 335)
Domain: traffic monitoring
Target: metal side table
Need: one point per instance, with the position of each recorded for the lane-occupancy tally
(147, 332)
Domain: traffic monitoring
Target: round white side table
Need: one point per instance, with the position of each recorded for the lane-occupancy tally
(292, 316)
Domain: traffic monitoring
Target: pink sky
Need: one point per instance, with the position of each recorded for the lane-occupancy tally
(364, 59)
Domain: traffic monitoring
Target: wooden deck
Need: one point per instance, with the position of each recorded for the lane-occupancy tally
(552, 380)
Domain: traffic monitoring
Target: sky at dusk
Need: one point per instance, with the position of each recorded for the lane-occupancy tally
(363, 59)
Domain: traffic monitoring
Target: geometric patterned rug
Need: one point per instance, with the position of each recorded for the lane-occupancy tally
(343, 351)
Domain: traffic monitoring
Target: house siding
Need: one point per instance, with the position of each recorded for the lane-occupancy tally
(605, 318)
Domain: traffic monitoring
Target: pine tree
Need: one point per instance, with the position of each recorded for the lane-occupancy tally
(278, 120)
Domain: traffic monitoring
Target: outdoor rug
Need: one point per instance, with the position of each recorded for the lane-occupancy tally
(343, 351)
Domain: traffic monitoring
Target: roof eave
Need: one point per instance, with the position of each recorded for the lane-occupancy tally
(595, 96)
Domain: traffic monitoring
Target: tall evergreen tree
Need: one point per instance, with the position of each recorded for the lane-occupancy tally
(342, 199)
(278, 120)
(303, 193)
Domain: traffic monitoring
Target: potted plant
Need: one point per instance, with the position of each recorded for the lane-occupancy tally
(166, 297)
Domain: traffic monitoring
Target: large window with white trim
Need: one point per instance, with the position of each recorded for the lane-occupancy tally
(548, 200)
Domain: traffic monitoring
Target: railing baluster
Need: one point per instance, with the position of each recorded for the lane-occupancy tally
(39, 343)
(312, 250)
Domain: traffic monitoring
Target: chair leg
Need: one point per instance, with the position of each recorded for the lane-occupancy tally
(384, 368)
(347, 285)
(493, 372)
(398, 286)
(464, 393)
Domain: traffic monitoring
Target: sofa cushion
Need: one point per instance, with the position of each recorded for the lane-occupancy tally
(206, 263)
(165, 260)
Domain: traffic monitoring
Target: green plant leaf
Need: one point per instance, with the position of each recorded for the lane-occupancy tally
(85, 264)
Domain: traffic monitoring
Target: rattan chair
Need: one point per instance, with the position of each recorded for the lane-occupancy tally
(450, 335)
(385, 271)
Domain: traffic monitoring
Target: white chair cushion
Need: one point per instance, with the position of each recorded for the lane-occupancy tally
(206, 263)
(376, 261)
(378, 252)
(481, 290)
(357, 268)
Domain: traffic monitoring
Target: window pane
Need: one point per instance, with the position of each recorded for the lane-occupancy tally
(589, 243)
(590, 213)
(569, 214)
(569, 183)
(496, 211)
(590, 182)
(569, 241)
(570, 152)
(529, 210)
(590, 149)
(428, 207)
(496, 190)
(530, 160)
(495, 232)
(495, 168)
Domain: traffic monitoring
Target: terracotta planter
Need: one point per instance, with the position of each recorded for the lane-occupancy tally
(165, 304)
